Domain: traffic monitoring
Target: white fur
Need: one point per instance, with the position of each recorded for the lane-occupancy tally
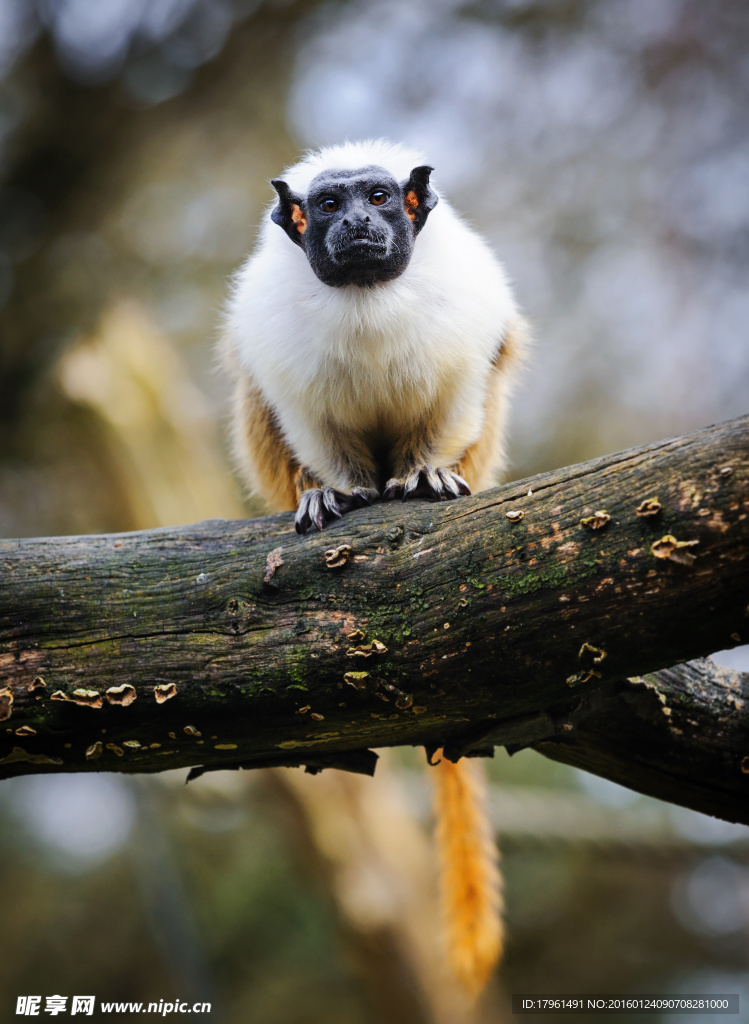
(378, 357)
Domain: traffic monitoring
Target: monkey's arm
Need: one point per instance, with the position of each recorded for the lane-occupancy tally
(416, 473)
(273, 472)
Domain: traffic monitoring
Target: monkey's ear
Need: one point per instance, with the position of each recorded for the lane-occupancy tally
(418, 197)
(289, 213)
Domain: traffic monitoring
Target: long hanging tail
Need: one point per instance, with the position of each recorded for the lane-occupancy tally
(470, 877)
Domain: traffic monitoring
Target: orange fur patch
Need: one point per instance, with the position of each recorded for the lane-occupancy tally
(484, 460)
(263, 456)
(411, 202)
(299, 219)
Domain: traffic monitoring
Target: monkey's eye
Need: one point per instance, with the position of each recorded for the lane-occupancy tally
(329, 205)
(379, 197)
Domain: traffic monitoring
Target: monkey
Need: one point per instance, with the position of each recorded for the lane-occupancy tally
(373, 341)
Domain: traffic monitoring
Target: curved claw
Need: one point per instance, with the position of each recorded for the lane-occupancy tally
(302, 520)
(364, 496)
(316, 510)
(393, 490)
(456, 480)
(330, 503)
(449, 486)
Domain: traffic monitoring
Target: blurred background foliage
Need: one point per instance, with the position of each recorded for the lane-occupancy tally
(602, 147)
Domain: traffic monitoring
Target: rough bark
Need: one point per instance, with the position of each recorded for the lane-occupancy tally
(462, 626)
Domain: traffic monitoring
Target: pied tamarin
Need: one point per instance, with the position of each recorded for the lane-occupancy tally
(372, 339)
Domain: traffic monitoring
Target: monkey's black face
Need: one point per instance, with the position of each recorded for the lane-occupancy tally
(357, 227)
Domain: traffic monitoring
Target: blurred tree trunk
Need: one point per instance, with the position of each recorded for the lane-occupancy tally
(73, 161)
(378, 867)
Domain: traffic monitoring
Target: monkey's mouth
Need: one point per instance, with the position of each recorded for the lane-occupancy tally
(363, 248)
(358, 244)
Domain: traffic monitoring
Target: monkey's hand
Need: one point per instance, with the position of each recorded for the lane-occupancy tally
(321, 505)
(426, 482)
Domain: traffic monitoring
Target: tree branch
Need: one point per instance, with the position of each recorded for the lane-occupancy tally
(678, 734)
(240, 643)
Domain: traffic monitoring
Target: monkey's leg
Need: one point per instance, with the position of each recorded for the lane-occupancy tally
(415, 475)
(320, 503)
